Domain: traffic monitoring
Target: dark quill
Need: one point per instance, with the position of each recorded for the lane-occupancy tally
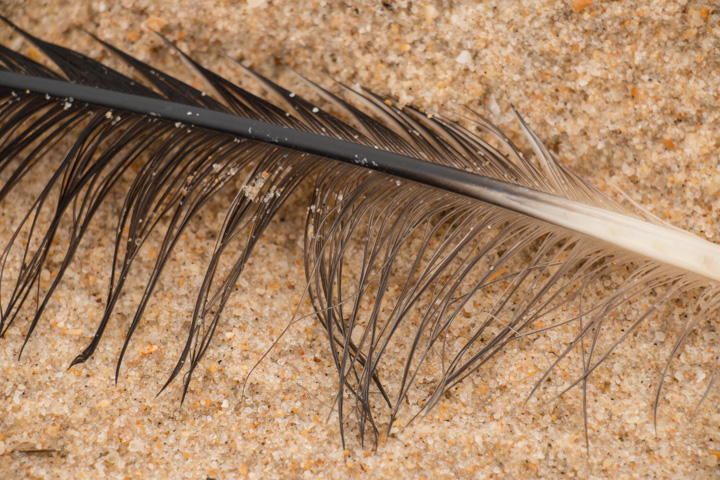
(521, 239)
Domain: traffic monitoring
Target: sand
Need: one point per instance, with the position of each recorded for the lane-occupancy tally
(623, 93)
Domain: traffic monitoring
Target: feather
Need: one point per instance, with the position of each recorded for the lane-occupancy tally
(522, 238)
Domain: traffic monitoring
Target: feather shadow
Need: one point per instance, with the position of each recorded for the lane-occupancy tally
(484, 226)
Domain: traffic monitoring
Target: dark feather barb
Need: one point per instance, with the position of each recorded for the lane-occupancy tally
(414, 220)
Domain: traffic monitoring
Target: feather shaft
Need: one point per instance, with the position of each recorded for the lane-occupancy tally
(669, 246)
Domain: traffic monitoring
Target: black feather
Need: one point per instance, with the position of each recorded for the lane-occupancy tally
(408, 182)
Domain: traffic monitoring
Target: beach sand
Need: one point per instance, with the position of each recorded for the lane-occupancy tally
(623, 93)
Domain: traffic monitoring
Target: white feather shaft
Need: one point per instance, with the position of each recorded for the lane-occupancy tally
(668, 246)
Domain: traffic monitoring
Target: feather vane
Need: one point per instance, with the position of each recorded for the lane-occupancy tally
(485, 225)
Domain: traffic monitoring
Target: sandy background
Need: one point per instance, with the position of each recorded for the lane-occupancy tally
(622, 92)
